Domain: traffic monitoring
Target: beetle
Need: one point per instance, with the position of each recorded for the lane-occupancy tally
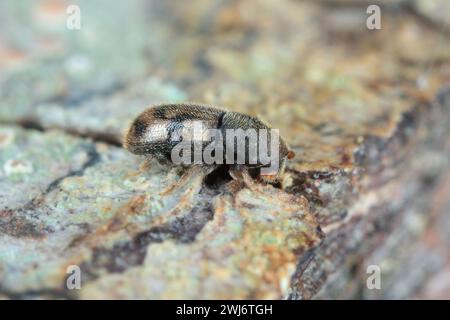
(161, 129)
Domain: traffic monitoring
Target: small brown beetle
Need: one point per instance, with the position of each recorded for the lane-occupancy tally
(189, 134)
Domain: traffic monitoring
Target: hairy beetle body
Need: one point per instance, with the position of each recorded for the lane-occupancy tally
(159, 130)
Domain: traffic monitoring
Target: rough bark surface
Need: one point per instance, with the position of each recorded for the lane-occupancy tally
(366, 111)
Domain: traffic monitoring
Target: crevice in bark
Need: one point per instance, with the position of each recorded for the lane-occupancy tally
(131, 253)
(99, 137)
(93, 158)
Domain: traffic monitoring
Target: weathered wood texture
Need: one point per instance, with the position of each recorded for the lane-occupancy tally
(366, 111)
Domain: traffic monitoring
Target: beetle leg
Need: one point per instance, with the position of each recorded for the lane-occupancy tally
(236, 173)
(241, 174)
